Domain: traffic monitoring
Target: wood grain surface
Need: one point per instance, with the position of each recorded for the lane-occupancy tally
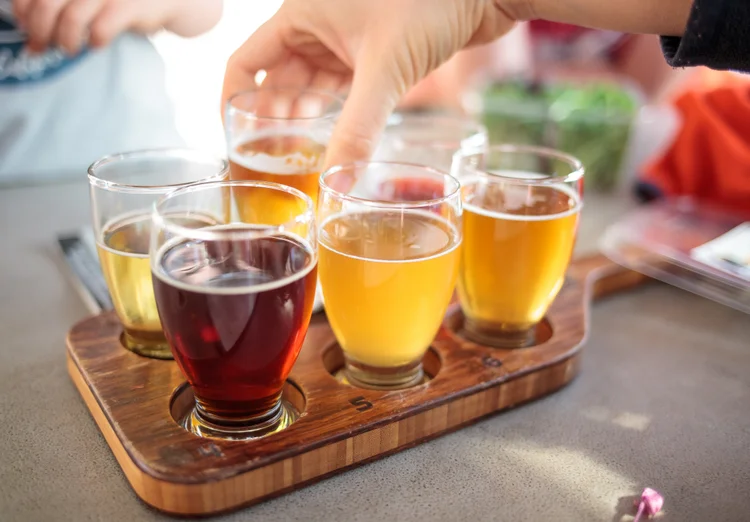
(135, 400)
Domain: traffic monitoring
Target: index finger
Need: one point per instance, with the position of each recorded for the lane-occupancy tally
(375, 91)
(263, 50)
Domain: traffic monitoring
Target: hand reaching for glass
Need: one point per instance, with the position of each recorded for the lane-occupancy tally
(379, 49)
(375, 49)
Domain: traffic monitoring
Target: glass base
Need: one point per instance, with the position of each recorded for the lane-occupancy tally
(377, 378)
(155, 348)
(281, 417)
(499, 335)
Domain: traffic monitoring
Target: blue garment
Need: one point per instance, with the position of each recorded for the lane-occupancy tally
(18, 66)
(58, 114)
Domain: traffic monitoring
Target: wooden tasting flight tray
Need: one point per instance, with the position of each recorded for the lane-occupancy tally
(135, 400)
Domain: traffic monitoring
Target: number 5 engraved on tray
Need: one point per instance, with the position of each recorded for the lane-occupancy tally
(361, 403)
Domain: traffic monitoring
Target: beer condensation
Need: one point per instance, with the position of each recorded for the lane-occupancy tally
(387, 279)
(289, 159)
(517, 244)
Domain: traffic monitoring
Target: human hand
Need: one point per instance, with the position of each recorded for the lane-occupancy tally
(71, 24)
(377, 49)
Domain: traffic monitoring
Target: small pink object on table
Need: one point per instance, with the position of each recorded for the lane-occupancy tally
(650, 504)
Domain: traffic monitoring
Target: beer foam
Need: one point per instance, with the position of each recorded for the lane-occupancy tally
(133, 218)
(454, 238)
(120, 252)
(296, 163)
(289, 164)
(158, 271)
(519, 200)
(143, 220)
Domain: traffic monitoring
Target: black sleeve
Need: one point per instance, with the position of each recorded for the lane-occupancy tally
(717, 36)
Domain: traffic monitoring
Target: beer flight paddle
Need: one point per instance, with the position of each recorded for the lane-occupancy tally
(137, 402)
(262, 397)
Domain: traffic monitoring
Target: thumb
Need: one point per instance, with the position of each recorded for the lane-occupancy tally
(376, 89)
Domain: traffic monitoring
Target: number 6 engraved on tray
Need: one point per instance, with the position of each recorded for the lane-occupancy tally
(491, 362)
(361, 403)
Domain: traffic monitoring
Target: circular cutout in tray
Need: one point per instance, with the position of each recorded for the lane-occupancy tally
(182, 402)
(454, 323)
(333, 361)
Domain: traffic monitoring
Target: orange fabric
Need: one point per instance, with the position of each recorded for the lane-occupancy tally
(705, 79)
(710, 156)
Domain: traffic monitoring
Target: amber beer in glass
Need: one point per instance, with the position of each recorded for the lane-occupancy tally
(123, 189)
(235, 300)
(388, 266)
(279, 134)
(521, 212)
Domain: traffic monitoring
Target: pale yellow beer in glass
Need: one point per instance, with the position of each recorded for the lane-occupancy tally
(388, 242)
(127, 272)
(521, 213)
(123, 189)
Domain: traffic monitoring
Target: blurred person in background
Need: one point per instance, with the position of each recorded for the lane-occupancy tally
(541, 50)
(695, 142)
(80, 79)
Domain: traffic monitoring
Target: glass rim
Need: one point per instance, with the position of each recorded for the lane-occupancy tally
(463, 121)
(157, 153)
(250, 115)
(576, 166)
(163, 222)
(455, 192)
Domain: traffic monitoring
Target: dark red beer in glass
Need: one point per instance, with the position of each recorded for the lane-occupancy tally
(235, 301)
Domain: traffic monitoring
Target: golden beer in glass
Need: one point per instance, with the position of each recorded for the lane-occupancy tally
(279, 134)
(123, 188)
(521, 212)
(388, 263)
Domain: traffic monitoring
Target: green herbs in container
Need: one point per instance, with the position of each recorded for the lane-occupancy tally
(591, 122)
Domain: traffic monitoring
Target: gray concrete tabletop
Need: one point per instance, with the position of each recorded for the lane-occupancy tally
(663, 401)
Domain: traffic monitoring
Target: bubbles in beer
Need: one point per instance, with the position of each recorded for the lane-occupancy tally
(518, 241)
(387, 278)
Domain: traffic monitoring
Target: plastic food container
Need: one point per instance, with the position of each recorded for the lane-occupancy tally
(665, 241)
